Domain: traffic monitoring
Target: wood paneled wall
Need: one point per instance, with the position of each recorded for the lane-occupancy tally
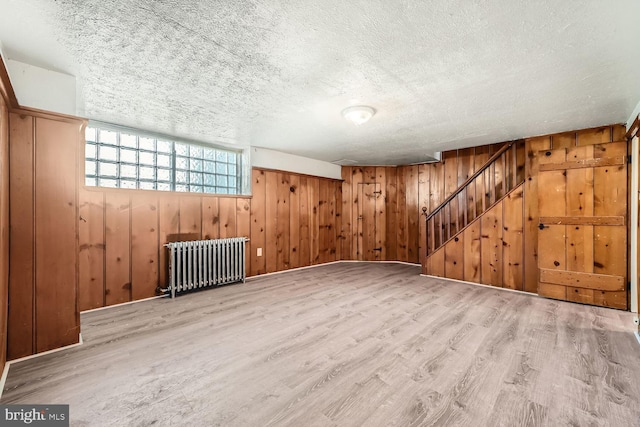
(293, 218)
(397, 214)
(4, 218)
(43, 311)
(500, 248)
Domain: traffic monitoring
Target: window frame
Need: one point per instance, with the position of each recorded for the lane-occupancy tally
(211, 182)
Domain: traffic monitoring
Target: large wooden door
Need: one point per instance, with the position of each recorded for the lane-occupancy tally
(582, 243)
(369, 195)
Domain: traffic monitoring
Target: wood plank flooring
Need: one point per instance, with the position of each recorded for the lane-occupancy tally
(344, 345)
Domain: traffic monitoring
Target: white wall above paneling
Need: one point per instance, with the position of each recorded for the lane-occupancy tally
(271, 159)
(37, 87)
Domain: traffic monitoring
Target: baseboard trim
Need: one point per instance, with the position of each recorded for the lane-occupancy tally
(250, 278)
(480, 284)
(7, 365)
(327, 263)
(124, 303)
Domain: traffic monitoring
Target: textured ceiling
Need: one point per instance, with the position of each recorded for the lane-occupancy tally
(276, 73)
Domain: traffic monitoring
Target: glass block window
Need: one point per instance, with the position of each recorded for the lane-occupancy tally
(129, 159)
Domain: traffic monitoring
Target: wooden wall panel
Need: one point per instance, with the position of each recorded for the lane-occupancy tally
(438, 263)
(491, 245)
(531, 215)
(357, 178)
(56, 231)
(305, 216)
(466, 199)
(243, 228)
(423, 207)
(450, 163)
(91, 250)
(4, 226)
(472, 267)
(144, 247)
(258, 222)
(168, 230)
(271, 220)
(118, 248)
(512, 249)
(191, 217)
(391, 217)
(337, 232)
(22, 239)
(347, 215)
(381, 213)
(402, 215)
(138, 223)
(325, 218)
(282, 221)
(412, 210)
(294, 221)
(228, 213)
(454, 258)
(210, 218)
(313, 185)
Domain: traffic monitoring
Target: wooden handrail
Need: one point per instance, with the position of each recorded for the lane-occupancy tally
(470, 179)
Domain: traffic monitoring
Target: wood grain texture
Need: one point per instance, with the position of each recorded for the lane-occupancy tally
(531, 212)
(413, 214)
(91, 250)
(21, 326)
(583, 220)
(118, 248)
(4, 226)
(144, 247)
(454, 258)
(586, 248)
(211, 217)
(582, 280)
(258, 222)
(305, 215)
(193, 216)
(56, 229)
(294, 221)
(169, 225)
(347, 215)
(271, 221)
(491, 245)
(472, 268)
(512, 249)
(402, 216)
(228, 213)
(282, 221)
(243, 228)
(345, 344)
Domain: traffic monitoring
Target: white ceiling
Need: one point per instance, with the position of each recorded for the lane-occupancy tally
(276, 73)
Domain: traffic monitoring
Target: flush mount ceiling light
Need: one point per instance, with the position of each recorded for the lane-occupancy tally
(358, 114)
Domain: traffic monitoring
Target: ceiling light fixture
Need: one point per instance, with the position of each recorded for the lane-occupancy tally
(358, 114)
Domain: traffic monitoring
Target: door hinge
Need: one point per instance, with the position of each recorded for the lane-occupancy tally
(629, 158)
(628, 286)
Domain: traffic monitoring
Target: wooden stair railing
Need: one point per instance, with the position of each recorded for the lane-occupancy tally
(446, 220)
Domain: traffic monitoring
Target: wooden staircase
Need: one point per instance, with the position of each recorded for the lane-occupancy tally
(491, 183)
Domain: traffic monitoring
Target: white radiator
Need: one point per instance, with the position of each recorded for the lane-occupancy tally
(205, 263)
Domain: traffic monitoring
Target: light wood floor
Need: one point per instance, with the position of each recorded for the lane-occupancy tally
(344, 344)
